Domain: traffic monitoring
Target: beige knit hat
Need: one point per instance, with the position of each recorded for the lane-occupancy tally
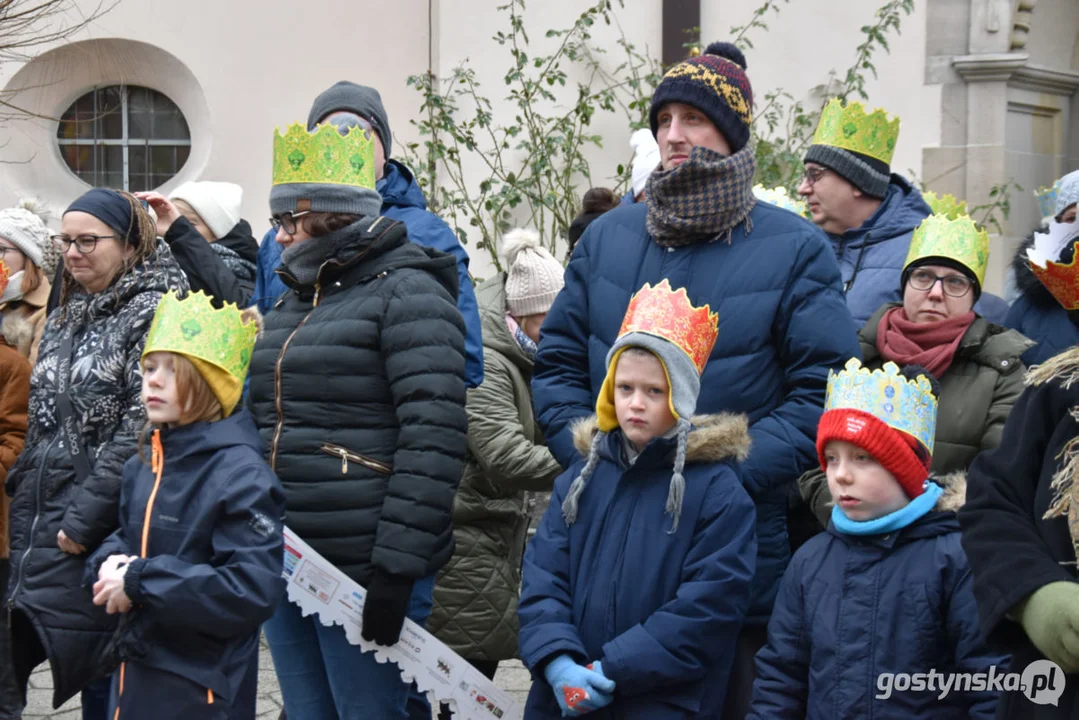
(533, 276)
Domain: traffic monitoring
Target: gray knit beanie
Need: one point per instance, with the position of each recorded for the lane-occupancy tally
(533, 276)
(869, 175)
(360, 99)
(24, 226)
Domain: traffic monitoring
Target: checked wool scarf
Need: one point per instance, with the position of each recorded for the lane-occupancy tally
(704, 198)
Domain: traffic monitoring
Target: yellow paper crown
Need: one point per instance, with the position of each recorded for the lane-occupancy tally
(220, 339)
(902, 404)
(948, 205)
(668, 314)
(324, 156)
(1047, 199)
(778, 196)
(851, 128)
(960, 240)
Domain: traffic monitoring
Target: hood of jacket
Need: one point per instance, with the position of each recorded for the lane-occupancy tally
(1025, 280)
(713, 438)
(491, 298)
(158, 273)
(901, 210)
(984, 342)
(398, 188)
(242, 242)
(941, 520)
(370, 247)
(197, 439)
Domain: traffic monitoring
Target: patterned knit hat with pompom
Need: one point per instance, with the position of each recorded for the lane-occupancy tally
(716, 84)
(533, 276)
(24, 225)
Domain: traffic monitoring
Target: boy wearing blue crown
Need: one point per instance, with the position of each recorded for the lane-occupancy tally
(638, 579)
(885, 595)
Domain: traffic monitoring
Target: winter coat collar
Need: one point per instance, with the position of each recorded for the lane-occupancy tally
(940, 521)
(373, 247)
(398, 188)
(491, 298)
(242, 242)
(205, 437)
(984, 343)
(902, 210)
(713, 439)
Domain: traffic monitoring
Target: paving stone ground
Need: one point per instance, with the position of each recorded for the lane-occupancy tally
(511, 677)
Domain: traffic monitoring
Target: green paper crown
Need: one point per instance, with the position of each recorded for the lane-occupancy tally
(193, 327)
(947, 205)
(960, 240)
(324, 156)
(886, 395)
(850, 128)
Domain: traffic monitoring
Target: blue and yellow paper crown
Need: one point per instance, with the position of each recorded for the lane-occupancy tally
(850, 127)
(778, 196)
(901, 404)
(1047, 199)
(324, 156)
(217, 342)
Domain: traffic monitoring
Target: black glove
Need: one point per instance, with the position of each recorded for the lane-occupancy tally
(385, 608)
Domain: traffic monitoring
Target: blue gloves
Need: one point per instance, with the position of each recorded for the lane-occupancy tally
(578, 689)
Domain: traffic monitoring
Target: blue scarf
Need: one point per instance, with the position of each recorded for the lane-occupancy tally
(897, 520)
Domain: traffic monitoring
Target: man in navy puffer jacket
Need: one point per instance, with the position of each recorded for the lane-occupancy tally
(770, 274)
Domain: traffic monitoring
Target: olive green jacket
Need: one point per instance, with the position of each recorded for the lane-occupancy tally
(976, 394)
(476, 593)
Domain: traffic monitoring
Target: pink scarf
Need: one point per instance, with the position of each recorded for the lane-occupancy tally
(931, 345)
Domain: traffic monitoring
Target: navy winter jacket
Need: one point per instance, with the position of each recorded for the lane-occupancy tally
(783, 324)
(871, 256)
(210, 572)
(1037, 314)
(851, 608)
(661, 611)
(403, 200)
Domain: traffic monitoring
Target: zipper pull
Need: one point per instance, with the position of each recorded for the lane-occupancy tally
(344, 463)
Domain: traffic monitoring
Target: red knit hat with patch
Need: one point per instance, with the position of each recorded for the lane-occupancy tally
(899, 453)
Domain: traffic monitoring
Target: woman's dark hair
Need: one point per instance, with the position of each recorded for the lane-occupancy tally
(320, 224)
(598, 200)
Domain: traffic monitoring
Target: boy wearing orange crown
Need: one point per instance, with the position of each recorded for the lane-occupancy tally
(638, 579)
(196, 563)
(876, 617)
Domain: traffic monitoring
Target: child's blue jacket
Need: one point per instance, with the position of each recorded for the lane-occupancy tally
(662, 611)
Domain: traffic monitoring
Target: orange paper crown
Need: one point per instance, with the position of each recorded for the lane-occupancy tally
(1060, 279)
(668, 314)
(5, 275)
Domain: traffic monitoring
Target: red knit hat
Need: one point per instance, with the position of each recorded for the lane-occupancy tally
(899, 453)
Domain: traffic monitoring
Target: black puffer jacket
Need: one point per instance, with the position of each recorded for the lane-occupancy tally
(358, 390)
(106, 378)
(225, 270)
(1037, 314)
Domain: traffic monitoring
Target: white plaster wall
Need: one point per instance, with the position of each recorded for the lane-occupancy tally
(258, 63)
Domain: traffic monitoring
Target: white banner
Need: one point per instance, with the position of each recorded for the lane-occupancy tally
(319, 587)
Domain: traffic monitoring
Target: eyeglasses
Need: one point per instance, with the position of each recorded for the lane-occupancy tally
(954, 285)
(85, 244)
(812, 175)
(287, 221)
(4, 250)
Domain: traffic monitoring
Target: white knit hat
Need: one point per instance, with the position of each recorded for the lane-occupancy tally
(1069, 193)
(217, 203)
(533, 276)
(24, 227)
(645, 158)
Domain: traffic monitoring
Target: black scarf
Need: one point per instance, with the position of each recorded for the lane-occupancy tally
(706, 196)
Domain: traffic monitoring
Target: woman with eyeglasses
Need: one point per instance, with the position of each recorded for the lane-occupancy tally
(977, 363)
(84, 416)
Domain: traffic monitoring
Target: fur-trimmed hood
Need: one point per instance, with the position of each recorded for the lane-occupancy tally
(18, 331)
(1025, 280)
(713, 438)
(955, 491)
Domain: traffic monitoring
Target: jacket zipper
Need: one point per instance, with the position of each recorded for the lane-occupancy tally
(345, 454)
(33, 527)
(277, 381)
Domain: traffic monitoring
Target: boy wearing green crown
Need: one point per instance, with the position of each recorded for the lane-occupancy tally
(886, 592)
(195, 566)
